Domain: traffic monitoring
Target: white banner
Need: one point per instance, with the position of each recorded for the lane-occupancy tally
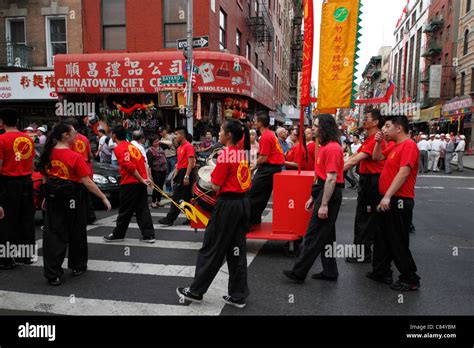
(435, 81)
(39, 85)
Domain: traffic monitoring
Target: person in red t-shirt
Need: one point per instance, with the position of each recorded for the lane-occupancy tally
(368, 196)
(326, 197)
(225, 236)
(298, 154)
(133, 189)
(269, 162)
(397, 186)
(82, 146)
(67, 180)
(16, 164)
(183, 177)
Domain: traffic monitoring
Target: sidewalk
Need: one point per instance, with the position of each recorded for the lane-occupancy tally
(469, 162)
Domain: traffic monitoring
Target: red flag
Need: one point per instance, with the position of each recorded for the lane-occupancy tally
(307, 53)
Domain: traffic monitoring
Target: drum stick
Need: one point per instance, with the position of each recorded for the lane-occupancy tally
(202, 194)
(166, 196)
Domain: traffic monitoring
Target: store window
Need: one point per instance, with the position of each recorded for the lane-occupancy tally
(222, 30)
(56, 38)
(15, 31)
(114, 35)
(174, 22)
(238, 38)
(463, 83)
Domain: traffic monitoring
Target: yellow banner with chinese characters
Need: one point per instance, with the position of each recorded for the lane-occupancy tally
(339, 27)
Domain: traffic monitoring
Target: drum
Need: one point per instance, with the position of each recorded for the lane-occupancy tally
(203, 198)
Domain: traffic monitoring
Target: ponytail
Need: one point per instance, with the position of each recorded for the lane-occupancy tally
(246, 132)
(56, 134)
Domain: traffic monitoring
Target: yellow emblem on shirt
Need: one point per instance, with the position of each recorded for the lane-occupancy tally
(79, 146)
(134, 152)
(23, 148)
(59, 170)
(243, 175)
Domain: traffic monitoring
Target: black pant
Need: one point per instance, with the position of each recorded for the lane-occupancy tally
(349, 179)
(225, 238)
(65, 228)
(319, 234)
(18, 225)
(91, 217)
(134, 199)
(423, 161)
(392, 241)
(180, 192)
(365, 222)
(159, 179)
(259, 194)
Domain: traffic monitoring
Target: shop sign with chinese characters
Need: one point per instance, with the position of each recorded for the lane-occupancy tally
(28, 86)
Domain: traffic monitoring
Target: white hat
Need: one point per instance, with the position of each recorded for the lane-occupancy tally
(423, 136)
(432, 135)
(437, 136)
(29, 129)
(443, 135)
(42, 129)
(463, 137)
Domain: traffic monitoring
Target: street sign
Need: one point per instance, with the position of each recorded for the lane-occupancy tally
(172, 79)
(198, 42)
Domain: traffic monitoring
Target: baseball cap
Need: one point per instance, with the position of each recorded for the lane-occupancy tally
(463, 137)
(423, 136)
(437, 136)
(443, 135)
(432, 135)
(42, 129)
(29, 129)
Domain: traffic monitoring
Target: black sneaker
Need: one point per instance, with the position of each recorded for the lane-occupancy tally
(402, 286)
(55, 282)
(188, 295)
(165, 222)
(321, 276)
(234, 302)
(293, 277)
(111, 238)
(385, 280)
(149, 239)
(358, 260)
(78, 272)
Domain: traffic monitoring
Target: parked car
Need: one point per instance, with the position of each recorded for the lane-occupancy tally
(106, 177)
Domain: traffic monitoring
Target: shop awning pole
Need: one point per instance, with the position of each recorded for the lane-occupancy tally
(189, 99)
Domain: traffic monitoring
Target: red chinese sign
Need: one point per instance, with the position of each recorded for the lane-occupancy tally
(157, 71)
(307, 53)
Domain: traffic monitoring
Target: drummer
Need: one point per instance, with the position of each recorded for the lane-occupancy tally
(225, 234)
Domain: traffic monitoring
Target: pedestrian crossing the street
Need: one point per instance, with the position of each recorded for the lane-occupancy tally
(123, 278)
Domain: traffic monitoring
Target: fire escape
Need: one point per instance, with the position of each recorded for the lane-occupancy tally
(431, 53)
(260, 24)
(296, 50)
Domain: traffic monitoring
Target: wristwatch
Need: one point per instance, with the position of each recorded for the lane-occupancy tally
(186, 176)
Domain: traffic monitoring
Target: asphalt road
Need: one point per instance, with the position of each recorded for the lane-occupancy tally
(135, 279)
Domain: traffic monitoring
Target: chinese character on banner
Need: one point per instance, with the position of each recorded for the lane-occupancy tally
(25, 81)
(72, 69)
(176, 67)
(112, 69)
(38, 81)
(50, 81)
(134, 65)
(93, 70)
(156, 70)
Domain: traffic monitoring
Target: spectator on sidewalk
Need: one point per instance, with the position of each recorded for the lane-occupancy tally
(460, 148)
(436, 147)
(282, 135)
(450, 146)
(170, 145)
(157, 161)
(424, 147)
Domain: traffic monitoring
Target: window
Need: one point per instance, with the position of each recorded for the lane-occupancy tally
(222, 29)
(249, 7)
(446, 59)
(468, 6)
(450, 6)
(448, 32)
(15, 31)
(256, 59)
(472, 79)
(238, 38)
(248, 49)
(463, 81)
(413, 18)
(466, 42)
(174, 22)
(56, 38)
(114, 35)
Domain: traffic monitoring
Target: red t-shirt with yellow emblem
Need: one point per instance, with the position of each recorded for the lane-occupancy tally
(270, 146)
(17, 152)
(83, 147)
(130, 159)
(396, 156)
(68, 165)
(232, 172)
(330, 159)
(368, 165)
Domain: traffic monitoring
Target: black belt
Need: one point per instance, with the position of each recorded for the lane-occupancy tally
(370, 174)
(20, 177)
(231, 196)
(271, 165)
(321, 182)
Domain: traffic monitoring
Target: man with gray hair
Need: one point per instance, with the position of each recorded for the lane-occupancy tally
(460, 148)
(282, 134)
(138, 140)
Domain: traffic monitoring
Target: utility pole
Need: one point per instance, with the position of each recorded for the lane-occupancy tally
(190, 63)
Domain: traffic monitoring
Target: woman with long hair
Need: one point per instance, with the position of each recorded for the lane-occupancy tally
(67, 180)
(326, 197)
(225, 236)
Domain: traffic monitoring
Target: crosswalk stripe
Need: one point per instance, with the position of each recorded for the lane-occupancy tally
(168, 244)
